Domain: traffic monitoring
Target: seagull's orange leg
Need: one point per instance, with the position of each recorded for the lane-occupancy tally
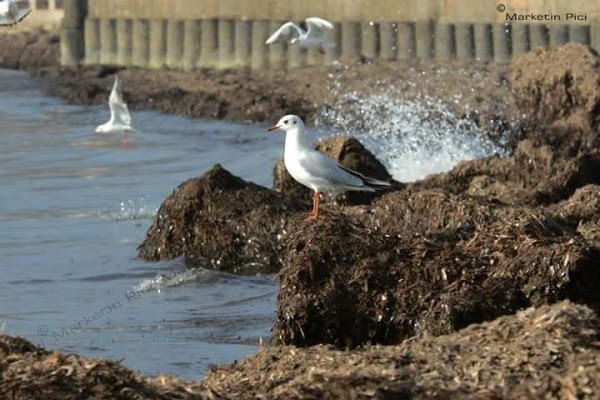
(315, 211)
(125, 142)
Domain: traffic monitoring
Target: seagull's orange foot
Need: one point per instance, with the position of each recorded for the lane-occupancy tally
(321, 50)
(311, 217)
(125, 141)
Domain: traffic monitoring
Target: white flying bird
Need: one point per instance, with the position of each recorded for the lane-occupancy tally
(314, 37)
(120, 119)
(316, 170)
(11, 14)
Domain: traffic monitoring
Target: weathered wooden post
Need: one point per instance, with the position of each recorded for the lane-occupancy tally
(124, 37)
(72, 44)
(520, 38)
(191, 43)
(538, 35)
(406, 40)
(579, 34)
(444, 41)
(465, 41)
(424, 39)
(158, 43)
(501, 42)
(243, 42)
(140, 45)
(483, 42)
(559, 34)
(387, 41)
(92, 41)
(174, 57)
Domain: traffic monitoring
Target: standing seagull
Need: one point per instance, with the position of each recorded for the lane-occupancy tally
(313, 37)
(314, 169)
(11, 14)
(120, 119)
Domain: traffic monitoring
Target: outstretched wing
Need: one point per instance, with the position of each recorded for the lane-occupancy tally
(119, 113)
(287, 31)
(317, 26)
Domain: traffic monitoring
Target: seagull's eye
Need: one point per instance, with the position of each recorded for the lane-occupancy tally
(294, 122)
(285, 122)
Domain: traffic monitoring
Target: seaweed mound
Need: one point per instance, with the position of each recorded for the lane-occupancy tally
(220, 221)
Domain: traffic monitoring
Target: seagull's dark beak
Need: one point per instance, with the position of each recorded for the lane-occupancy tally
(274, 127)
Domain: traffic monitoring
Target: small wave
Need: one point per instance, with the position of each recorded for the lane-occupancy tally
(131, 210)
(174, 279)
(413, 138)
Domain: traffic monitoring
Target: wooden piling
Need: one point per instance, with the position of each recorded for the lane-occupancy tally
(243, 42)
(538, 36)
(258, 56)
(444, 41)
(465, 41)
(559, 34)
(92, 41)
(388, 41)
(191, 44)
(124, 39)
(369, 40)
(424, 39)
(277, 51)
(579, 34)
(174, 43)
(209, 32)
(72, 41)
(501, 42)
(484, 50)
(520, 38)
(226, 43)
(108, 41)
(406, 40)
(158, 43)
(140, 43)
(351, 41)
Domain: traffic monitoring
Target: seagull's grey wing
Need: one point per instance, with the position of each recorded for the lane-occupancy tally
(119, 113)
(13, 9)
(4, 21)
(327, 172)
(22, 14)
(287, 31)
(316, 26)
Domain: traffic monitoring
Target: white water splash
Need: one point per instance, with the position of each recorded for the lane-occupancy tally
(174, 279)
(131, 210)
(413, 138)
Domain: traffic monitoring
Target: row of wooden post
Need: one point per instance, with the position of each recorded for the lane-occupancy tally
(223, 43)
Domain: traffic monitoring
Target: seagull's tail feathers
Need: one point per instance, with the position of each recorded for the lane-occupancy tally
(369, 183)
(376, 183)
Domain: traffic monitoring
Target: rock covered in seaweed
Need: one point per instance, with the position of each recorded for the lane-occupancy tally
(558, 90)
(31, 372)
(546, 352)
(347, 284)
(219, 220)
(533, 175)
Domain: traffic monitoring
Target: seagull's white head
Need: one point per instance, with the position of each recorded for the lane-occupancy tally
(287, 123)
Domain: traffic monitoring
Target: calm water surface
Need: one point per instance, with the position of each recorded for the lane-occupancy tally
(73, 208)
